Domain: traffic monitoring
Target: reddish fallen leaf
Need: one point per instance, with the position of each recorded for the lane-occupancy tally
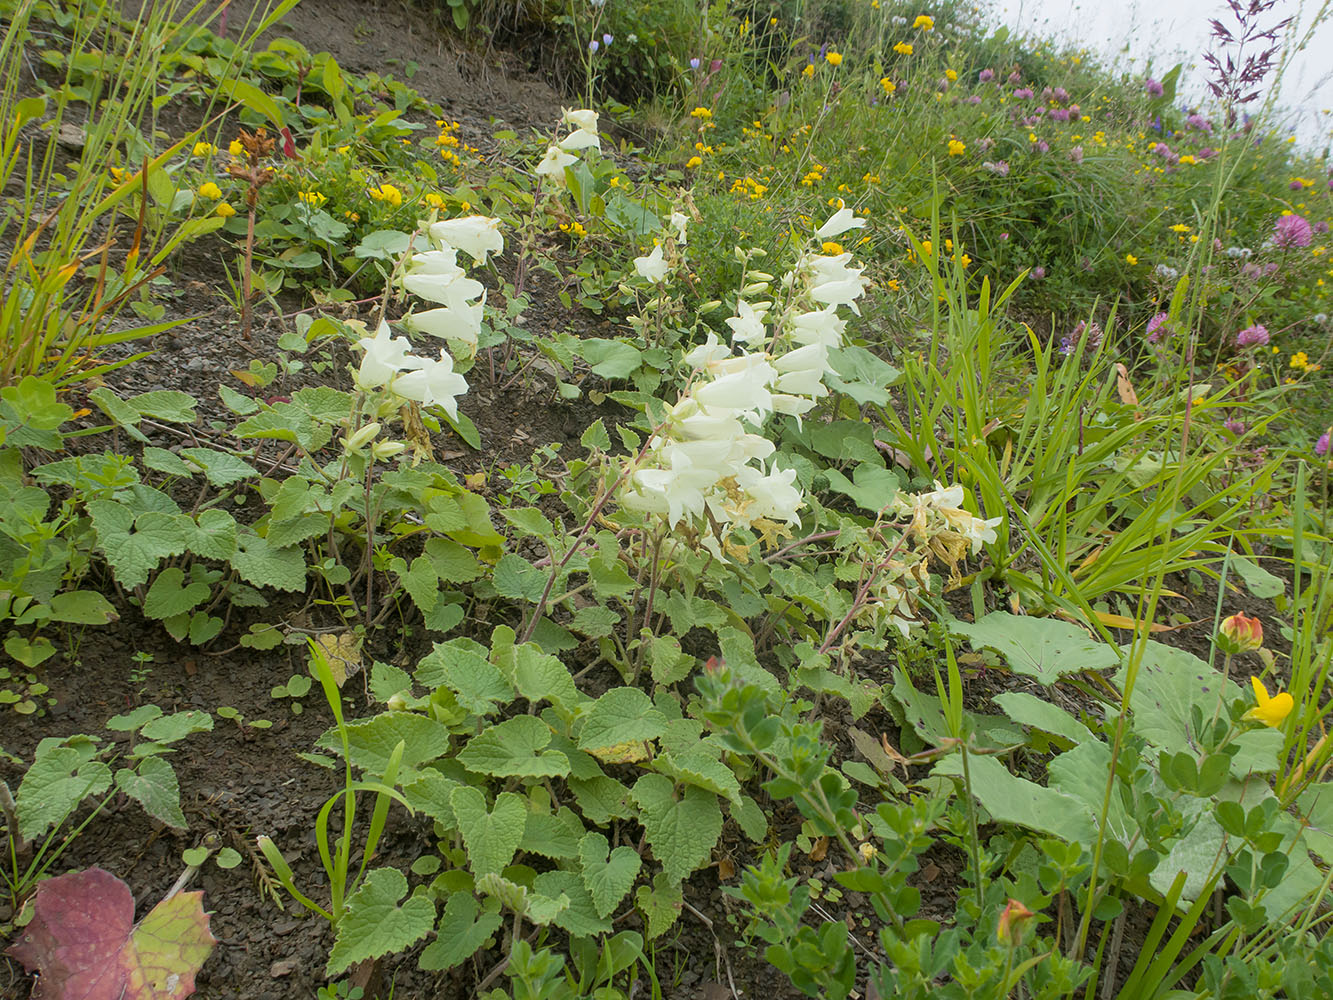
(84, 945)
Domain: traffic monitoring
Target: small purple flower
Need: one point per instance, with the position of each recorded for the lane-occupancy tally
(1000, 169)
(1321, 227)
(694, 63)
(974, 99)
(594, 45)
(1207, 153)
(1023, 93)
(1294, 186)
(989, 143)
(1074, 110)
(986, 75)
(1236, 427)
(1004, 237)
(1252, 336)
(1037, 273)
(1060, 114)
(1069, 343)
(1015, 77)
(608, 39)
(1155, 330)
(1291, 232)
(1076, 154)
(1321, 446)
(1199, 122)
(1153, 87)
(1060, 94)
(1043, 146)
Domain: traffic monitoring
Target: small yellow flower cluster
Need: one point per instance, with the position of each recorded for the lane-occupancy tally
(703, 114)
(815, 176)
(574, 229)
(1301, 362)
(887, 85)
(448, 142)
(312, 198)
(833, 58)
(924, 22)
(386, 193)
(694, 161)
(903, 48)
(205, 149)
(210, 190)
(434, 200)
(832, 249)
(870, 178)
(750, 187)
(956, 148)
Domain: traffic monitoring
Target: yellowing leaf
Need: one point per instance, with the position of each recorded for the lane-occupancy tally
(343, 650)
(630, 752)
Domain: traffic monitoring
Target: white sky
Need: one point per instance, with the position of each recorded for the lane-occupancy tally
(1171, 31)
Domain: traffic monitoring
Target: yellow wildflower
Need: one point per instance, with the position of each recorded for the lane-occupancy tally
(701, 113)
(903, 48)
(924, 22)
(888, 85)
(1180, 227)
(388, 193)
(1272, 711)
(809, 70)
(832, 249)
(834, 58)
(1131, 259)
(210, 190)
(235, 148)
(204, 149)
(956, 148)
(312, 198)
(951, 75)
(694, 161)
(224, 210)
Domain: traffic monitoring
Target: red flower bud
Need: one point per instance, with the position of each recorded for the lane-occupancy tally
(1240, 634)
(288, 143)
(1012, 921)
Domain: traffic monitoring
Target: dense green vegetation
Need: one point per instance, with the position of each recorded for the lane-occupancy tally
(930, 352)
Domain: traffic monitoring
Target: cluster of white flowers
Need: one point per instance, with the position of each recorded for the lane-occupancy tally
(561, 154)
(938, 519)
(435, 276)
(704, 459)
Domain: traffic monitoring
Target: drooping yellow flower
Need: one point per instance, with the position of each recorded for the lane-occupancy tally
(701, 113)
(1272, 711)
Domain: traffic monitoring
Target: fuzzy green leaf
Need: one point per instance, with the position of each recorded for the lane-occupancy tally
(134, 546)
(517, 579)
(167, 597)
(63, 773)
(681, 831)
(461, 931)
(515, 748)
(661, 904)
(375, 924)
(260, 563)
(372, 741)
(219, 467)
(1044, 648)
(622, 715)
(491, 836)
(608, 877)
(461, 666)
(155, 787)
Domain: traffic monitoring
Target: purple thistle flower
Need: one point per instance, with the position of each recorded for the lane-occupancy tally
(1153, 87)
(1291, 232)
(1200, 122)
(1060, 94)
(1252, 336)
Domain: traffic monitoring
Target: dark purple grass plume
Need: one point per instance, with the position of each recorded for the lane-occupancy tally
(1238, 72)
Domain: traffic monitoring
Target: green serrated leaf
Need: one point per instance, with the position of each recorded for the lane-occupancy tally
(1044, 648)
(608, 878)
(63, 773)
(374, 924)
(517, 579)
(491, 836)
(461, 666)
(260, 563)
(170, 728)
(622, 715)
(155, 787)
(530, 522)
(681, 831)
(372, 741)
(661, 904)
(461, 932)
(167, 596)
(515, 748)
